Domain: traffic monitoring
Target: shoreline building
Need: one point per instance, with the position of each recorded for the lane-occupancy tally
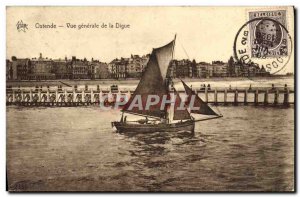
(202, 70)
(118, 68)
(219, 69)
(99, 70)
(182, 68)
(9, 70)
(48, 69)
(132, 67)
(136, 65)
(79, 68)
(63, 68)
(20, 68)
(41, 69)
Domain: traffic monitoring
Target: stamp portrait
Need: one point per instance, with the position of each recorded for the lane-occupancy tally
(268, 36)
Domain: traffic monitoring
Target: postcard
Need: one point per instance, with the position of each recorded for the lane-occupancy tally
(150, 99)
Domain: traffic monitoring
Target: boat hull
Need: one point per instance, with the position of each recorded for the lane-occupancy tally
(149, 128)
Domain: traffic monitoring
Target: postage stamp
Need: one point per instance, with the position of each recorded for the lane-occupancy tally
(268, 35)
(264, 41)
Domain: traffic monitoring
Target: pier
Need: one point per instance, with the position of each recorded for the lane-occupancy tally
(69, 97)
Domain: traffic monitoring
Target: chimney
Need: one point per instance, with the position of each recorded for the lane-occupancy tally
(41, 56)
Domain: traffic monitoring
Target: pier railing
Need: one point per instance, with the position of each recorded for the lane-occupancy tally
(81, 97)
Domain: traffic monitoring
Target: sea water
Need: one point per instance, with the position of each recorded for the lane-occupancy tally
(76, 149)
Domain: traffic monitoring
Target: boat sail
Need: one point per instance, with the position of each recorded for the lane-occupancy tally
(180, 114)
(155, 84)
(202, 106)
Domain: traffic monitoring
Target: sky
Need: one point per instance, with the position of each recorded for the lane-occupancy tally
(203, 33)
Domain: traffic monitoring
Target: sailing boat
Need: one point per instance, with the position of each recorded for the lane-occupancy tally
(154, 81)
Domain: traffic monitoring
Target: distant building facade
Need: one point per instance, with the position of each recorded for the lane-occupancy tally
(136, 65)
(9, 70)
(41, 69)
(182, 68)
(202, 70)
(118, 68)
(99, 70)
(20, 68)
(132, 67)
(48, 69)
(219, 69)
(63, 68)
(80, 68)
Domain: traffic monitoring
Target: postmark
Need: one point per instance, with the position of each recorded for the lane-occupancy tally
(264, 41)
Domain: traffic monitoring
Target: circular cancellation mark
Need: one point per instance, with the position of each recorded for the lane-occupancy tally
(263, 42)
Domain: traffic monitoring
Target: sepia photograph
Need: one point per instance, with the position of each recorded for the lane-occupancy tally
(150, 99)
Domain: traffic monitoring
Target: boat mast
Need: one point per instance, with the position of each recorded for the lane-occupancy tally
(173, 47)
(168, 82)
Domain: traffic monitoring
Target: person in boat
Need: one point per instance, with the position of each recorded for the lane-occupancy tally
(163, 120)
(146, 121)
(125, 118)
